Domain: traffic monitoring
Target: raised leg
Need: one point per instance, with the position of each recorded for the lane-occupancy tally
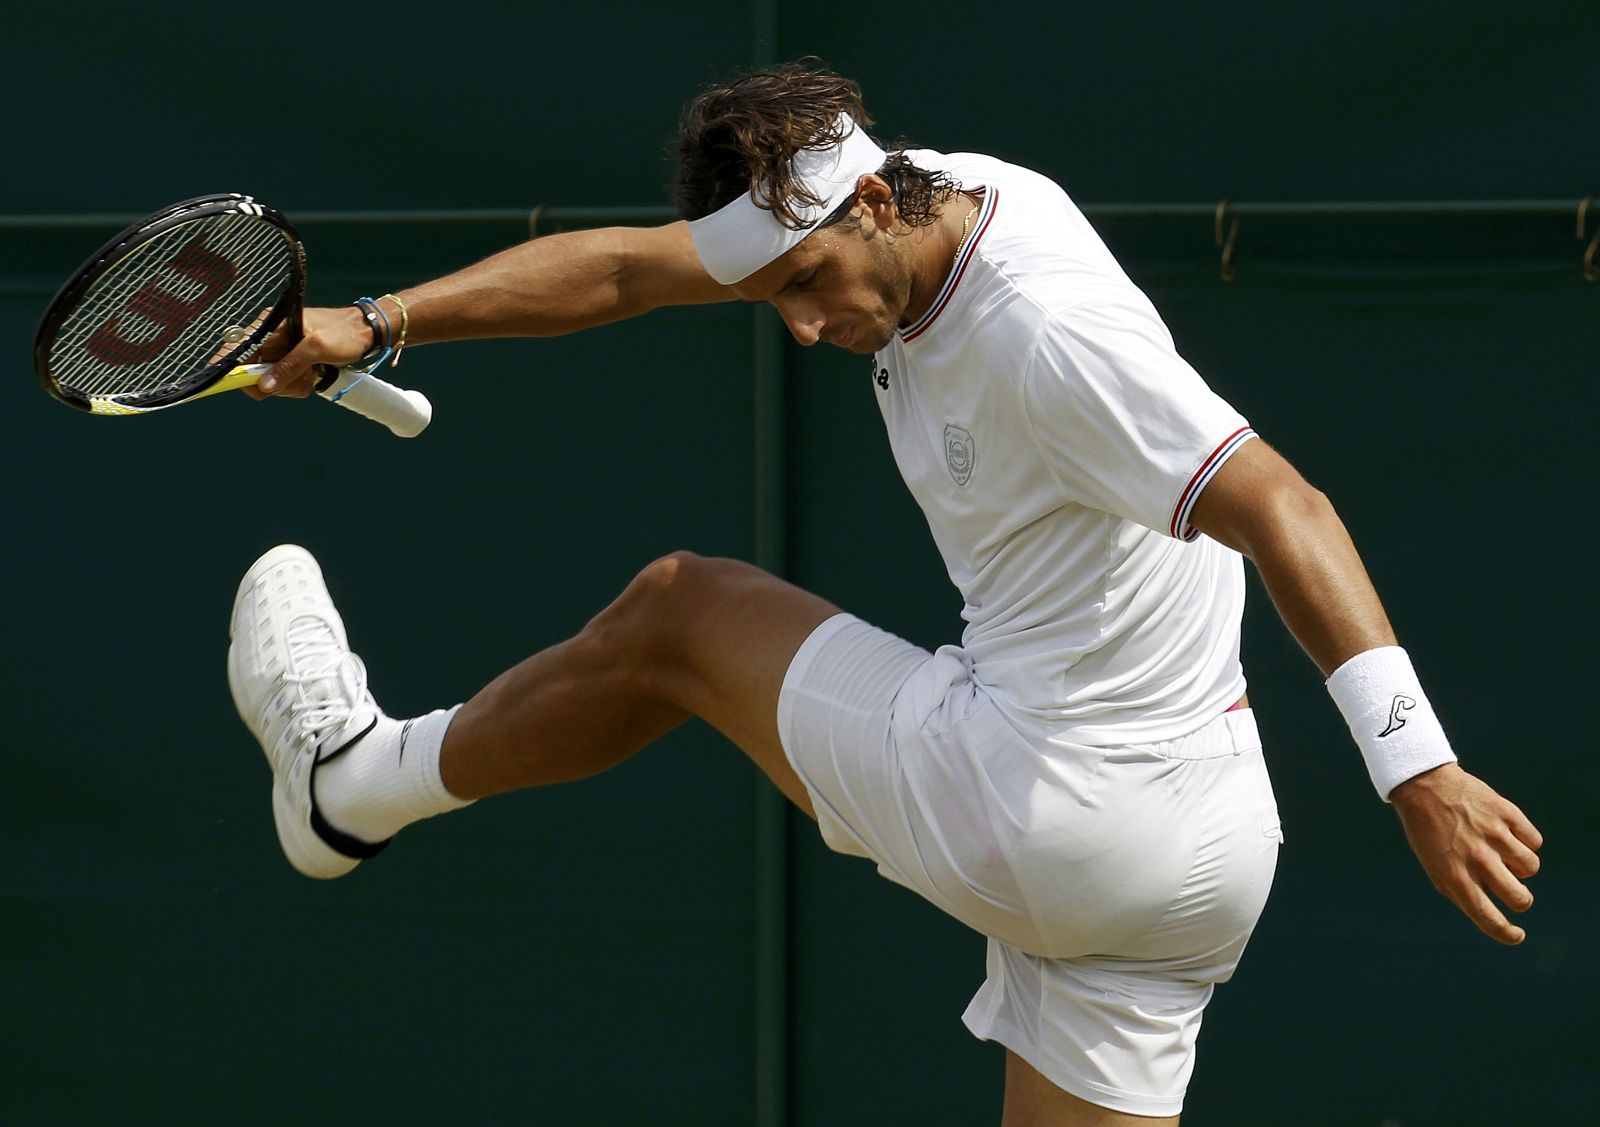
(690, 636)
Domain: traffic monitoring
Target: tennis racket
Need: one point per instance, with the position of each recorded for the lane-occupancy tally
(164, 312)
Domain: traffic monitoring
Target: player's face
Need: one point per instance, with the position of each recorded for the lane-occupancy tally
(843, 285)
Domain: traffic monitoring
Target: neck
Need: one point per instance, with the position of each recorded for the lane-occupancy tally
(934, 254)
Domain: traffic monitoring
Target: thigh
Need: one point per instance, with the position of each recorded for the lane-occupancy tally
(908, 764)
(1032, 1101)
(732, 630)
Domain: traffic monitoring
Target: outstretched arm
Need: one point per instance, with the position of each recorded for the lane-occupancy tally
(1472, 843)
(545, 287)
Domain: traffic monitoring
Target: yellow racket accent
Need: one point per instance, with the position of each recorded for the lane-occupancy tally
(245, 375)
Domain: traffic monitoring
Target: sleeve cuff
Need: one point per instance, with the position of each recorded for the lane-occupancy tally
(1179, 528)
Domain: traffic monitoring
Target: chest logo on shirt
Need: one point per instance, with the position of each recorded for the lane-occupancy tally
(882, 378)
(959, 453)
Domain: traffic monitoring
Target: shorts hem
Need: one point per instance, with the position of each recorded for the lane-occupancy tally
(835, 830)
(1131, 1103)
(799, 664)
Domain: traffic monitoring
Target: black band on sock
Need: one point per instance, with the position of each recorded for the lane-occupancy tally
(338, 840)
(341, 842)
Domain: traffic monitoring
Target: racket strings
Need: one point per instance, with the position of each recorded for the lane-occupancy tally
(156, 320)
(139, 308)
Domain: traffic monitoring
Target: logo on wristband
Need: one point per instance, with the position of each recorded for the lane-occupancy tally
(1397, 720)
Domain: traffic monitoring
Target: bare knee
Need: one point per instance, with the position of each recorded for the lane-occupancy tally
(682, 584)
(666, 579)
(647, 626)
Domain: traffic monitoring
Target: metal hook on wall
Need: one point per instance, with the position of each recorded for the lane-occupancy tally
(1591, 256)
(1226, 270)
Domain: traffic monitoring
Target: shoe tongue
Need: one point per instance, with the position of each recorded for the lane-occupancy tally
(313, 638)
(321, 656)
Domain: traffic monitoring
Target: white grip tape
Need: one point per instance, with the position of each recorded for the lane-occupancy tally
(407, 413)
(1389, 716)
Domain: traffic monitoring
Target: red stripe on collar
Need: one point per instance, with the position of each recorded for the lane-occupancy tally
(991, 201)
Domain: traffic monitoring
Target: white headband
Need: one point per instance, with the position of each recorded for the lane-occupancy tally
(740, 238)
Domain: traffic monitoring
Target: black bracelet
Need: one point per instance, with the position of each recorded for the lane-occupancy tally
(378, 321)
(382, 335)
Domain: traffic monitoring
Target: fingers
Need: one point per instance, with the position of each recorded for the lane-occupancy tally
(1490, 920)
(296, 380)
(1518, 842)
(1522, 861)
(1477, 849)
(275, 350)
(1526, 832)
(294, 375)
(335, 337)
(1469, 885)
(1494, 877)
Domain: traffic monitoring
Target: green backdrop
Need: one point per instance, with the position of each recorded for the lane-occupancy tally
(601, 953)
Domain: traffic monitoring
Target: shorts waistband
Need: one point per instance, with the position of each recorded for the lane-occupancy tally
(1232, 733)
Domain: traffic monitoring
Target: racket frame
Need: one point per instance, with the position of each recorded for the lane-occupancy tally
(289, 305)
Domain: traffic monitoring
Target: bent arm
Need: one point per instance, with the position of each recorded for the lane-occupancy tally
(1471, 842)
(545, 287)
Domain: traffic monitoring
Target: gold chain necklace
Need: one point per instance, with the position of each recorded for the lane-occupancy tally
(966, 227)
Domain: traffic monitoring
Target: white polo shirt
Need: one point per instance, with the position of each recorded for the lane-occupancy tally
(1056, 443)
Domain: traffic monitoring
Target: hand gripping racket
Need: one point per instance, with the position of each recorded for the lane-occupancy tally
(162, 314)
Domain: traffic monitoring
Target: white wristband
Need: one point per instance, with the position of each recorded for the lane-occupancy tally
(1389, 716)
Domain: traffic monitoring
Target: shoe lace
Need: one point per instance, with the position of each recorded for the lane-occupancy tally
(331, 681)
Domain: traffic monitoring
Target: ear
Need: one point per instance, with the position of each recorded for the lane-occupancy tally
(875, 206)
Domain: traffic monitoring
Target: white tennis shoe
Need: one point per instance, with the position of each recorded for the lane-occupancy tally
(304, 697)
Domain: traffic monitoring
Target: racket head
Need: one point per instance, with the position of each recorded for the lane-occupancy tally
(171, 305)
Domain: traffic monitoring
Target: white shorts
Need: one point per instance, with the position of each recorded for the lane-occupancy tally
(1117, 885)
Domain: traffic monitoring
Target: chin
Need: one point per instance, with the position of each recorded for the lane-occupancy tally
(870, 342)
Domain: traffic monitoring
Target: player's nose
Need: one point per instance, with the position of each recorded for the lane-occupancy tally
(805, 326)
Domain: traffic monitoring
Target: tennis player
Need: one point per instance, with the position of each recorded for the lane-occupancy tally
(1080, 779)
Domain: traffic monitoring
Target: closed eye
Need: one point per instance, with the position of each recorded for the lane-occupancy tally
(804, 281)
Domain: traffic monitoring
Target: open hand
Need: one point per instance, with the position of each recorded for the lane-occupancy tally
(1472, 843)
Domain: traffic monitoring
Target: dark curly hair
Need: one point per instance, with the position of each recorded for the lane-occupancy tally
(740, 138)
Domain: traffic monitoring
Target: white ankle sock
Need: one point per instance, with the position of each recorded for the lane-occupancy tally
(387, 780)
